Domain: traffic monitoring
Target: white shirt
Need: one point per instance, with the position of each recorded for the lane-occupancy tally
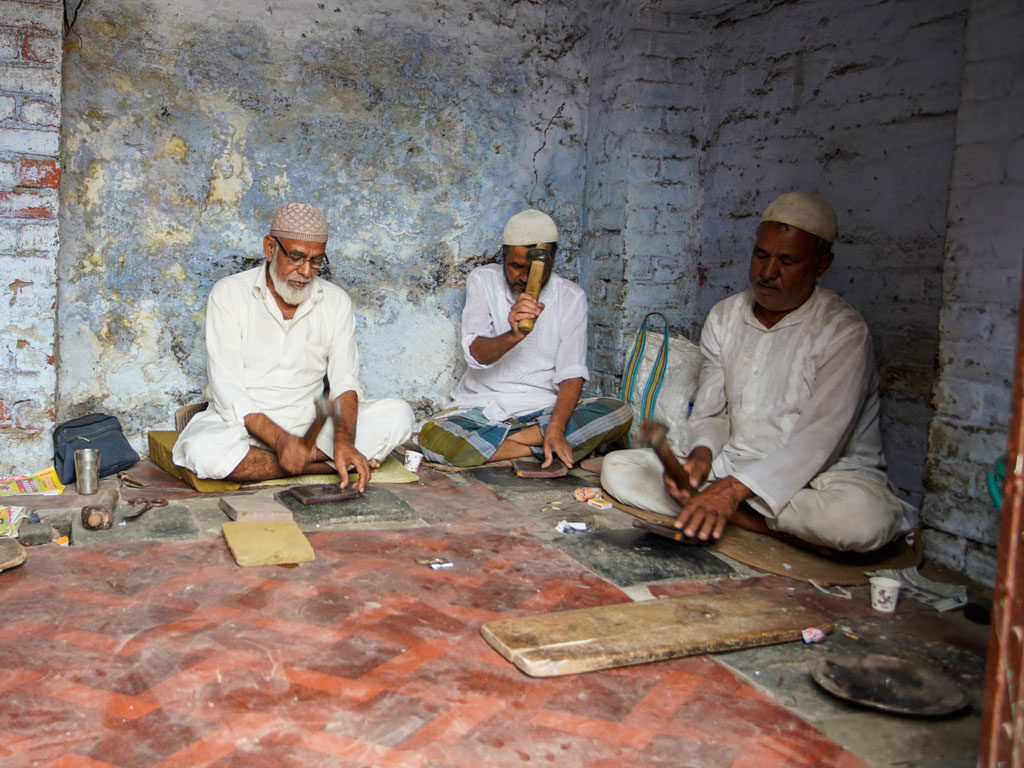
(777, 406)
(261, 363)
(526, 378)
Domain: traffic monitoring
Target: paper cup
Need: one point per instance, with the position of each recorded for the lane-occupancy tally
(885, 593)
(87, 470)
(412, 460)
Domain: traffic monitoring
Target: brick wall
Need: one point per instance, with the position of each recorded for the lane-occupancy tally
(642, 194)
(30, 89)
(981, 293)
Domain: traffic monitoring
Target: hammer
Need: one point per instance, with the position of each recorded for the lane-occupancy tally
(324, 409)
(99, 515)
(654, 433)
(537, 258)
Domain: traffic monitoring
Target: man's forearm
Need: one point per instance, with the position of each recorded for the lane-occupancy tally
(345, 429)
(263, 428)
(568, 396)
(489, 349)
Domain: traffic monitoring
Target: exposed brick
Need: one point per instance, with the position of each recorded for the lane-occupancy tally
(10, 44)
(944, 549)
(28, 142)
(44, 81)
(38, 237)
(41, 48)
(28, 204)
(42, 113)
(39, 16)
(39, 174)
(8, 174)
(8, 105)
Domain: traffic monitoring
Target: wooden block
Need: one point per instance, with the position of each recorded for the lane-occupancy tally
(254, 508)
(587, 639)
(267, 542)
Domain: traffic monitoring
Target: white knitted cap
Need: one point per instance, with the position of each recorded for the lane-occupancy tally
(804, 211)
(530, 227)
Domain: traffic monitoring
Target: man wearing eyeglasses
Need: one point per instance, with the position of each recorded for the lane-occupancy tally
(273, 334)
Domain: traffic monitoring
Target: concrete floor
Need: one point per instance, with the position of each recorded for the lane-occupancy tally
(147, 645)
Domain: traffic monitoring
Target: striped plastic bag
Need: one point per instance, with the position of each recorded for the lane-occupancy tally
(660, 380)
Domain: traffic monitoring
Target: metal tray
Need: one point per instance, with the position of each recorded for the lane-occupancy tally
(890, 684)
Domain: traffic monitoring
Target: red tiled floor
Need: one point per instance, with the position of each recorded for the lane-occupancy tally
(169, 654)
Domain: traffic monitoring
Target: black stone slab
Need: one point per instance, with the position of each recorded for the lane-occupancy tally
(505, 477)
(630, 556)
(376, 505)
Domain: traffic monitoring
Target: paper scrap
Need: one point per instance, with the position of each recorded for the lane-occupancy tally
(566, 526)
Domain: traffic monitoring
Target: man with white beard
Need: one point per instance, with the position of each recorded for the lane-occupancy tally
(273, 334)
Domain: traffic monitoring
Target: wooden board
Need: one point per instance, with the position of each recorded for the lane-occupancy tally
(254, 507)
(587, 639)
(267, 542)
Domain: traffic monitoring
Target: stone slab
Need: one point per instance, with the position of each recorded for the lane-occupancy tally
(631, 556)
(376, 505)
(254, 508)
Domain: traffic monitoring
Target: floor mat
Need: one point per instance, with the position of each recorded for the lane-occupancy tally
(774, 556)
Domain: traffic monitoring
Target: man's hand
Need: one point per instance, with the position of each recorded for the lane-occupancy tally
(292, 453)
(697, 467)
(555, 444)
(705, 515)
(525, 307)
(345, 453)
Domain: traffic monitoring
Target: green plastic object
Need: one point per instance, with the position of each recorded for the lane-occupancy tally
(996, 478)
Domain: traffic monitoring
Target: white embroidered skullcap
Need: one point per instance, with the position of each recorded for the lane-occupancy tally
(299, 221)
(530, 227)
(804, 211)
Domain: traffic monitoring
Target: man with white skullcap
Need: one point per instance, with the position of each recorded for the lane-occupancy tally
(520, 394)
(785, 419)
(273, 333)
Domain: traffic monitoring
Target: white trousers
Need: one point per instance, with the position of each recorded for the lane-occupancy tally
(841, 510)
(212, 447)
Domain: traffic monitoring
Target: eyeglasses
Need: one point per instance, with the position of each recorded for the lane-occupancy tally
(316, 262)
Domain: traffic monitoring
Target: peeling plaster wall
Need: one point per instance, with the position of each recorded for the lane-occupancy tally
(981, 294)
(30, 81)
(417, 129)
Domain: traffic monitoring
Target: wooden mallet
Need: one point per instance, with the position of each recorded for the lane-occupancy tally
(654, 434)
(538, 259)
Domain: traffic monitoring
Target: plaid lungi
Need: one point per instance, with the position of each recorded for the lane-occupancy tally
(466, 438)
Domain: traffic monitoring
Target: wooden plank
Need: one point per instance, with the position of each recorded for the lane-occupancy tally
(588, 639)
(267, 542)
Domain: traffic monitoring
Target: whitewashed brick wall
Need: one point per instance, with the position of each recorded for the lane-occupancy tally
(981, 292)
(30, 87)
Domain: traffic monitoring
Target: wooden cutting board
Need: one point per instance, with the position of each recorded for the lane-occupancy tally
(587, 639)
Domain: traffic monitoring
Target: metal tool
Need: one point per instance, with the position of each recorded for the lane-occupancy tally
(144, 507)
(325, 409)
(131, 481)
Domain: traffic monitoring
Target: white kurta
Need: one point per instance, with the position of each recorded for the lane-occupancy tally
(791, 412)
(526, 378)
(777, 406)
(259, 362)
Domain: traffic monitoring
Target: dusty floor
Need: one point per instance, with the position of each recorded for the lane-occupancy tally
(148, 646)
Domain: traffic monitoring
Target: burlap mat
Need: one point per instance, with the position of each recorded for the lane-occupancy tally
(768, 554)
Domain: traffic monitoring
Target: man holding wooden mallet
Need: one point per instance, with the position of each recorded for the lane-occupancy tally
(526, 358)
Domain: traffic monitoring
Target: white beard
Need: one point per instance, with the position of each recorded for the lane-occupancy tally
(290, 295)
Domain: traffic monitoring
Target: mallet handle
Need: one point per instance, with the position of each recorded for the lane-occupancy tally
(533, 282)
